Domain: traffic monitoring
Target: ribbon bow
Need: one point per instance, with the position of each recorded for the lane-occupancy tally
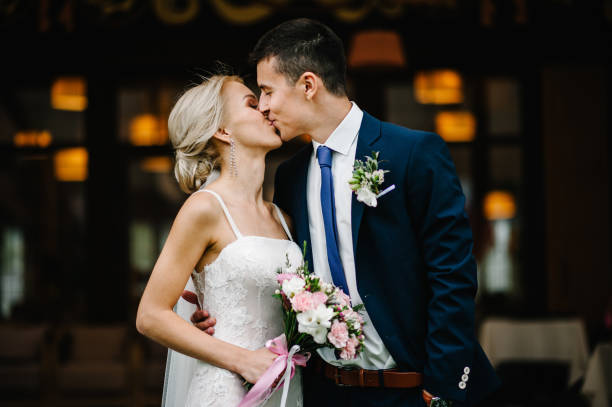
(286, 361)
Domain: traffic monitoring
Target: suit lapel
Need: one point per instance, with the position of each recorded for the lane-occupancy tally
(301, 204)
(369, 133)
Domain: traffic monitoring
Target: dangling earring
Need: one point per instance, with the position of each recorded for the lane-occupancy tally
(233, 167)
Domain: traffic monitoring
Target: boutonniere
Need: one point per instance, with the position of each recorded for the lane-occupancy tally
(367, 180)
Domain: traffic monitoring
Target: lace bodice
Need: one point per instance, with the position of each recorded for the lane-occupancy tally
(237, 289)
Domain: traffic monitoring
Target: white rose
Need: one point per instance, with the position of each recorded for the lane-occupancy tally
(327, 288)
(380, 174)
(353, 317)
(319, 333)
(316, 322)
(320, 316)
(366, 196)
(293, 286)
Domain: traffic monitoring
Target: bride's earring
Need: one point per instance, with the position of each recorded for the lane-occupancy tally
(233, 166)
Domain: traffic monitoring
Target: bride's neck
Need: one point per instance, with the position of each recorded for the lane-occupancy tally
(244, 182)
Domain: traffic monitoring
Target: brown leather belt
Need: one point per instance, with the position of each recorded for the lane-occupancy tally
(391, 378)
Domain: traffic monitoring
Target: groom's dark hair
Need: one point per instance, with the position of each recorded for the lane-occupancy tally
(305, 45)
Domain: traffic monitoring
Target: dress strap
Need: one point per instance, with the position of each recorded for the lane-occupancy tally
(226, 211)
(282, 221)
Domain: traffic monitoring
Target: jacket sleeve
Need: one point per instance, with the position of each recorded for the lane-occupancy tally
(437, 206)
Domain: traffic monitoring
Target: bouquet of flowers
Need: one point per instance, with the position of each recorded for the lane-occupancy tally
(315, 314)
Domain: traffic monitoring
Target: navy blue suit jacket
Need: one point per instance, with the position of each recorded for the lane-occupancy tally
(413, 254)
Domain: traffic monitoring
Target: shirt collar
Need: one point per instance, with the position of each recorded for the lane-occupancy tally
(343, 136)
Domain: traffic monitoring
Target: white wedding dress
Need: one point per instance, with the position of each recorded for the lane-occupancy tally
(237, 289)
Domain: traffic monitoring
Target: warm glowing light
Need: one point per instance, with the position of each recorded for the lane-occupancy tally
(32, 138)
(146, 130)
(377, 48)
(71, 164)
(499, 205)
(438, 87)
(159, 164)
(456, 127)
(69, 93)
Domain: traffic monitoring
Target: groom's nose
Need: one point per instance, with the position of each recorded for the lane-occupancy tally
(263, 105)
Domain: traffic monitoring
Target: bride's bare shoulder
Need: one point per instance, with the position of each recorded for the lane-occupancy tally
(200, 207)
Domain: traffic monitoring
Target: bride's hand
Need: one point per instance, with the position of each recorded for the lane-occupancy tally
(256, 364)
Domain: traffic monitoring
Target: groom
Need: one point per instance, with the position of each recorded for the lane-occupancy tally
(408, 257)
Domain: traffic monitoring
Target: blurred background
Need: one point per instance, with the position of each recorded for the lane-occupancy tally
(519, 89)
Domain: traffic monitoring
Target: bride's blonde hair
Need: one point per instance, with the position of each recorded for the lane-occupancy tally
(194, 119)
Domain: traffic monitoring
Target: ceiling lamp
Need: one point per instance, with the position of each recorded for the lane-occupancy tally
(32, 138)
(146, 130)
(499, 205)
(456, 127)
(376, 48)
(69, 93)
(71, 164)
(161, 164)
(438, 87)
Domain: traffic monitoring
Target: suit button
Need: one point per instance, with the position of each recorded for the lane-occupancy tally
(464, 378)
(462, 385)
(466, 370)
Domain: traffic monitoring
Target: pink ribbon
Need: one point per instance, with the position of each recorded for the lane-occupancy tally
(286, 361)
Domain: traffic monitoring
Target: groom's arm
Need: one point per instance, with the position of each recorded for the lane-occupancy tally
(436, 204)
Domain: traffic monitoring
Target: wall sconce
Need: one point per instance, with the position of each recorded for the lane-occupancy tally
(499, 205)
(455, 127)
(146, 130)
(71, 164)
(160, 164)
(69, 93)
(32, 138)
(438, 87)
(377, 48)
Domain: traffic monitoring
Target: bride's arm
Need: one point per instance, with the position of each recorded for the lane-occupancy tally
(190, 235)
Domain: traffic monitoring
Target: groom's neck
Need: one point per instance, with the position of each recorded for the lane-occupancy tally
(329, 112)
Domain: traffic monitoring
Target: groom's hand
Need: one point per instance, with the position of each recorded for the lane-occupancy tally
(201, 318)
(203, 321)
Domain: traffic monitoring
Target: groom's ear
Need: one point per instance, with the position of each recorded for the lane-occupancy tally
(310, 84)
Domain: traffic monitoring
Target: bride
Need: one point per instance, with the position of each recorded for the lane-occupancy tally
(229, 241)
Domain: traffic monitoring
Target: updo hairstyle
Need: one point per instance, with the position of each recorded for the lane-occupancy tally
(193, 121)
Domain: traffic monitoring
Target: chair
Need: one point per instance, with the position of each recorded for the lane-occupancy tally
(540, 362)
(598, 378)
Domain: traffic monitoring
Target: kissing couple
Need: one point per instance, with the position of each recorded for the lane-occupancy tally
(405, 254)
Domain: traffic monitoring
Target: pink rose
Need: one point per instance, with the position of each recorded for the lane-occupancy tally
(350, 350)
(342, 298)
(303, 302)
(353, 316)
(284, 276)
(338, 334)
(319, 298)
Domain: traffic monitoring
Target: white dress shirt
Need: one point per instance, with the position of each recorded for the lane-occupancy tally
(343, 143)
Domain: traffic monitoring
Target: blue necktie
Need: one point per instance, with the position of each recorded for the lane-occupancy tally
(328, 207)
